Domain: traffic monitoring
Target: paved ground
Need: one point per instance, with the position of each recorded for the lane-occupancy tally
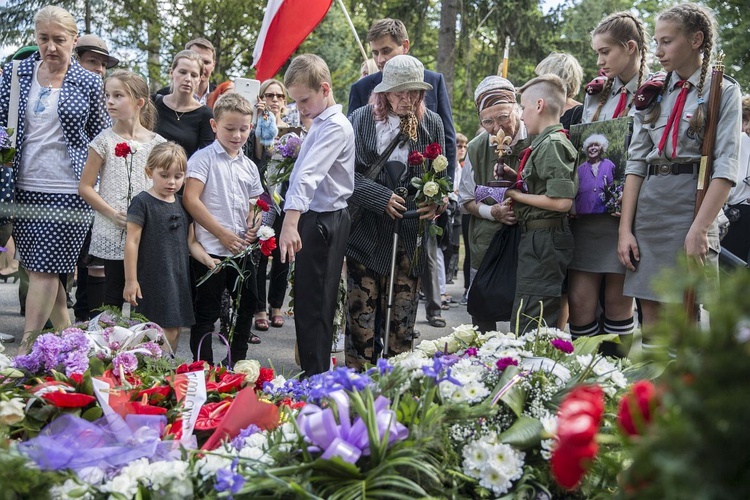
(277, 346)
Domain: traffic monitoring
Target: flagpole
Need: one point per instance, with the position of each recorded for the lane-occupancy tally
(354, 30)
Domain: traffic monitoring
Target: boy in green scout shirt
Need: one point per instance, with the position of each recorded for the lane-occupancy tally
(544, 193)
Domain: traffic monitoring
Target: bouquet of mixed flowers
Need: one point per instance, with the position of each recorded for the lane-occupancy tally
(284, 153)
(612, 195)
(7, 151)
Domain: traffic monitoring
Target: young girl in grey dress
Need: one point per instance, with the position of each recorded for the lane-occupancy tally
(621, 44)
(657, 223)
(159, 236)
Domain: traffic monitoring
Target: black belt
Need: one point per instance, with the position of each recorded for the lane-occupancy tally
(672, 168)
(556, 223)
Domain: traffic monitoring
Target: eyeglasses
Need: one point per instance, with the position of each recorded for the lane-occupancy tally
(271, 95)
(42, 102)
(500, 119)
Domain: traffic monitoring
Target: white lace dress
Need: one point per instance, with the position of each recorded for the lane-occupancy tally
(115, 175)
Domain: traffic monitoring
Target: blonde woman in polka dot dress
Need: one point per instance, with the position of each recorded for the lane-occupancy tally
(60, 110)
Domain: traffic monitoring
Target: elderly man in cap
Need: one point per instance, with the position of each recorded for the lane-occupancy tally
(93, 55)
(500, 117)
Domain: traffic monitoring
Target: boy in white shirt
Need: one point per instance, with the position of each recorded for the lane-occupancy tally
(221, 181)
(316, 226)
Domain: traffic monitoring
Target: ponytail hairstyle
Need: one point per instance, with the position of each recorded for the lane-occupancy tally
(693, 18)
(621, 27)
(137, 88)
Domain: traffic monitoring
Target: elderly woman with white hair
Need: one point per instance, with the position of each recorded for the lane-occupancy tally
(396, 110)
(594, 175)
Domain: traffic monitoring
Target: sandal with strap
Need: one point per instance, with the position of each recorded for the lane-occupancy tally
(261, 325)
(254, 339)
(277, 321)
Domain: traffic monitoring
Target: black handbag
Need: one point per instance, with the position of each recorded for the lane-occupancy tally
(494, 288)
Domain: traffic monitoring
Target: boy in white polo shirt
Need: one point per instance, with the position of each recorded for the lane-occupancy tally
(316, 226)
(221, 181)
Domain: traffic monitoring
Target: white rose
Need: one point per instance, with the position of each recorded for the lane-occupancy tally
(265, 232)
(11, 412)
(431, 188)
(248, 367)
(440, 163)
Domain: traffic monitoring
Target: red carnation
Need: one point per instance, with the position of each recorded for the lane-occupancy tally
(262, 205)
(636, 408)
(578, 421)
(268, 246)
(122, 150)
(63, 399)
(432, 151)
(265, 375)
(415, 158)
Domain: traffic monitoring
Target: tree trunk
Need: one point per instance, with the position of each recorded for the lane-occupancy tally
(87, 16)
(153, 29)
(446, 54)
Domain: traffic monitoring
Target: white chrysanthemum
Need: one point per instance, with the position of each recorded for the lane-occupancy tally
(123, 484)
(412, 361)
(603, 367)
(475, 391)
(265, 233)
(504, 466)
(207, 465)
(70, 490)
(278, 381)
(584, 360)
(618, 379)
(475, 455)
(549, 424)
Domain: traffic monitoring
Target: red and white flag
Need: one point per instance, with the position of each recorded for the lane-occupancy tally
(285, 26)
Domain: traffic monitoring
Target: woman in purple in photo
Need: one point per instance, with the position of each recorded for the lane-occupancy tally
(594, 175)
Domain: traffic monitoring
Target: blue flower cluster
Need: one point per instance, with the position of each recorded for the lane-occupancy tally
(318, 387)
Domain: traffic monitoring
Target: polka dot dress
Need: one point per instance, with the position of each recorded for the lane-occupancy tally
(49, 230)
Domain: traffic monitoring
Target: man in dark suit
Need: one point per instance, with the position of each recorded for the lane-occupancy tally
(388, 38)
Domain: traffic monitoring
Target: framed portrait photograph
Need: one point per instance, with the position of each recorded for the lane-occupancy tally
(602, 155)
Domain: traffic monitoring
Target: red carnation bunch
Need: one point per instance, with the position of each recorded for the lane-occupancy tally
(122, 150)
(262, 205)
(267, 246)
(578, 422)
(266, 375)
(636, 408)
(432, 151)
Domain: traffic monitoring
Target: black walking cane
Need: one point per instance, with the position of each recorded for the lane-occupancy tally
(396, 177)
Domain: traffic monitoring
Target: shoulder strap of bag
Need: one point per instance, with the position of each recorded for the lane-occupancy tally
(374, 170)
(15, 93)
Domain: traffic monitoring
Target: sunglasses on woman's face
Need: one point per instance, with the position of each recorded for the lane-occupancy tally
(270, 96)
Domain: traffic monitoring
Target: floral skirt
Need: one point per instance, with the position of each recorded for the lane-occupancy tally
(49, 229)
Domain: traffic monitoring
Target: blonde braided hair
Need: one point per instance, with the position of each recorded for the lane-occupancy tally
(621, 27)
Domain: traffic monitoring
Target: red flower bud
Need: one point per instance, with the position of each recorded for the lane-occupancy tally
(415, 158)
(636, 408)
(432, 151)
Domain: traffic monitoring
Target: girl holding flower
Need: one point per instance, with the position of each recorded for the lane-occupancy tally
(117, 159)
(396, 106)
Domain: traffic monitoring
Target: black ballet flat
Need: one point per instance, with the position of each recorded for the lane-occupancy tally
(14, 275)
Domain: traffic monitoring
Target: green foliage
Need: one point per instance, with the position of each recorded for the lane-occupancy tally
(698, 446)
(19, 481)
(734, 26)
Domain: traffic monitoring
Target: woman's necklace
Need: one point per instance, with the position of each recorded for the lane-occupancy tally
(178, 115)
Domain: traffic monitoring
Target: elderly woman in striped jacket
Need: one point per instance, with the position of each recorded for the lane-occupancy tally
(396, 106)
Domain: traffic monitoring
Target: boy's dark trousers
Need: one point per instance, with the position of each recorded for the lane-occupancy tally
(207, 307)
(317, 271)
(545, 250)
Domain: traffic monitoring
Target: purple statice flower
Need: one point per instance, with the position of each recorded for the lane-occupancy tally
(562, 345)
(239, 442)
(471, 352)
(153, 348)
(290, 147)
(504, 363)
(127, 360)
(228, 479)
(4, 139)
(75, 362)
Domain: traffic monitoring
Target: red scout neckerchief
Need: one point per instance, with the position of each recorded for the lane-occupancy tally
(622, 103)
(673, 123)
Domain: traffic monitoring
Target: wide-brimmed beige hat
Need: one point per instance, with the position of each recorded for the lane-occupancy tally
(95, 44)
(402, 73)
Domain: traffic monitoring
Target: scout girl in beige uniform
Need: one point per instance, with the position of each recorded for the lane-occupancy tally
(661, 176)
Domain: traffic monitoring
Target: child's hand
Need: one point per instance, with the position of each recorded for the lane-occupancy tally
(232, 242)
(211, 263)
(696, 245)
(289, 243)
(120, 219)
(132, 292)
(627, 251)
(251, 235)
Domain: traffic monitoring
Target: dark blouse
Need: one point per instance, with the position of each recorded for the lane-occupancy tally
(192, 130)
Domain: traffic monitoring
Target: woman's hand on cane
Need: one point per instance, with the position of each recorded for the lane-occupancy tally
(395, 207)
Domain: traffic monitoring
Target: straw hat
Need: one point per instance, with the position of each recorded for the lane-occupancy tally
(95, 44)
(402, 73)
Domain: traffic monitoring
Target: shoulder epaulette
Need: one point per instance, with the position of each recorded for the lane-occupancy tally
(596, 85)
(649, 90)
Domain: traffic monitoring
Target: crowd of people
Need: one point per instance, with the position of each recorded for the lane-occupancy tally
(145, 194)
